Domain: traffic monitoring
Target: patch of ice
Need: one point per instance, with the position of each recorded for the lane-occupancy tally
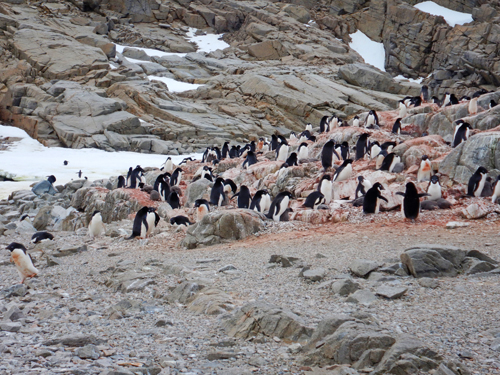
(208, 42)
(30, 161)
(372, 52)
(175, 86)
(113, 66)
(418, 80)
(452, 17)
(149, 51)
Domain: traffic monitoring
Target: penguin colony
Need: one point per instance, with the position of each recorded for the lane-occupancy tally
(338, 162)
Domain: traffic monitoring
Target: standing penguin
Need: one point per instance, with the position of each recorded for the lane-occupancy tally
(324, 125)
(282, 152)
(343, 150)
(371, 201)
(325, 187)
(343, 172)
(175, 180)
(424, 170)
(434, 189)
(363, 186)
(259, 201)
(96, 226)
(173, 200)
(217, 195)
(303, 152)
(314, 199)
(411, 201)
(424, 93)
(244, 197)
(496, 190)
(274, 142)
(279, 205)
(374, 149)
(292, 160)
(164, 189)
(403, 110)
(371, 119)
(462, 131)
(390, 162)
(327, 155)
(135, 177)
(22, 260)
(202, 208)
(121, 182)
(362, 146)
(309, 127)
(476, 182)
(168, 166)
(446, 100)
(473, 106)
(396, 128)
(225, 150)
(229, 186)
(152, 218)
(355, 122)
(140, 225)
(250, 159)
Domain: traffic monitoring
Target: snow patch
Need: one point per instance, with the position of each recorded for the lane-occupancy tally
(175, 86)
(372, 52)
(452, 17)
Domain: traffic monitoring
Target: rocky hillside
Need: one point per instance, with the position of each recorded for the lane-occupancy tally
(288, 64)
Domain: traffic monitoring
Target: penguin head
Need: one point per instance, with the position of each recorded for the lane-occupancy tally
(65, 162)
(411, 189)
(425, 157)
(378, 186)
(347, 162)
(434, 179)
(15, 245)
(326, 177)
(24, 217)
(96, 212)
(312, 138)
(51, 178)
(482, 170)
(361, 179)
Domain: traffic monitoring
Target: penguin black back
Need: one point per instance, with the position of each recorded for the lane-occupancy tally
(180, 220)
(396, 128)
(250, 159)
(217, 195)
(411, 201)
(173, 200)
(371, 201)
(327, 154)
(244, 197)
(477, 182)
(362, 145)
(121, 182)
(139, 222)
(40, 236)
(292, 159)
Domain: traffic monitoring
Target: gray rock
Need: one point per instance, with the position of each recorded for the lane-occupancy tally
(344, 287)
(283, 260)
(185, 292)
(197, 190)
(495, 345)
(10, 326)
(19, 290)
(13, 314)
(88, 352)
(364, 297)
(363, 267)
(326, 327)
(76, 340)
(298, 12)
(427, 282)
(427, 263)
(473, 265)
(44, 187)
(270, 320)
(316, 274)
(391, 292)
(223, 226)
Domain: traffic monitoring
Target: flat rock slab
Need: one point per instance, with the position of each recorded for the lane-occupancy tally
(344, 287)
(363, 297)
(78, 340)
(316, 274)
(10, 326)
(391, 292)
(362, 267)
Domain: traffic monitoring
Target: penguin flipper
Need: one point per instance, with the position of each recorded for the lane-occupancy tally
(383, 198)
(401, 193)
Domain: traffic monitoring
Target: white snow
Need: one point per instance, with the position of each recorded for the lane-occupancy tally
(207, 43)
(372, 52)
(149, 51)
(175, 86)
(400, 77)
(31, 162)
(452, 17)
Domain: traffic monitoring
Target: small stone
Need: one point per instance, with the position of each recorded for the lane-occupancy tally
(320, 256)
(295, 348)
(215, 356)
(495, 345)
(428, 282)
(466, 354)
(43, 353)
(363, 267)
(164, 323)
(391, 292)
(51, 261)
(344, 287)
(316, 274)
(10, 326)
(88, 352)
(456, 224)
(363, 297)
(18, 290)
(229, 267)
(13, 314)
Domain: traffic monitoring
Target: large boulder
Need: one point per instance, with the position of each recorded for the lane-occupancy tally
(269, 320)
(223, 226)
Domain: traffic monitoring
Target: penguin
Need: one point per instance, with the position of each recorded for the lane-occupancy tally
(324, 125)
(333, 122)
(374, 149)
(185, 160)
(176, 177)
(65, 162)
(434, 189)
(435, 100)
(304, 136)
(363, 186)
(371, 119)
(453, 99)
(476, 182)
(217, 195)
(259, 203)
(424, 170)
(492, 104)
(396, 128)
(79, 173)
(473, 106)
(496, 190)
(274, 142)
(159, 179)
(244, 151)
(265, 146)
(41, 236)
(303, 152)
(282, 152)
(411, 201)
(202, 208)
(464, 99)
(96, 226)
(168, 166)
(355, 122)
(325, 188)
(282, 139)
(233, 152)
(173, 200)
(343, 150)
(164, 189)
(24, 264)
(279, 205)
(488, 188)
(292, 136)
(244, 197)
(152, 218)
(229, 186)
(446, 100)
(327, 155)
(292, 160)
(389, 162)
(309, 127)
(121, 182)
(462, 131)
(225, 150)
(380, 159)
(416, 101)
(362, 146)
(388, 146)
(250, 159)
(180, 220)
(206, 173)
(480, 92)
(371, 201)
(140, 226)
(135, 177)
(424, 93)
(343, 123)
(403, 110)
(343, 172)
(314, 199)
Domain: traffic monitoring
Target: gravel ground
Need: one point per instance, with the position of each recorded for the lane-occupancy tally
(458, 319)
